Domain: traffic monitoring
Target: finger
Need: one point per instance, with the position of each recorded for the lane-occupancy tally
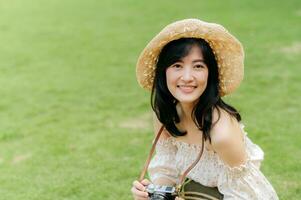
(143, 198)
(139, 186)
(138, 193)
(140, 198)
(145, 182)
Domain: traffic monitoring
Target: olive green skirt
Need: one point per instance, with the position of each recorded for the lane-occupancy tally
(192, 190)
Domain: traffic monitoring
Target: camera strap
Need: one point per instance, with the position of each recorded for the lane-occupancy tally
(182, 177)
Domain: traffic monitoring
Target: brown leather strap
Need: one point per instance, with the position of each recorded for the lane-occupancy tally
(182, 177)
(150, 155)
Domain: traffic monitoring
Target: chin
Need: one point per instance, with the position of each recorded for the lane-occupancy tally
(187, 101)
(188, 98)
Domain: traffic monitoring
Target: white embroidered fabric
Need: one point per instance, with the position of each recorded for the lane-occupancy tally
(246, 181)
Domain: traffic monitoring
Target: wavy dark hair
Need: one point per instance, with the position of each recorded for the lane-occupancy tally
(163, 102)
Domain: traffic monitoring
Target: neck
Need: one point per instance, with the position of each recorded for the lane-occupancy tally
(185, 110)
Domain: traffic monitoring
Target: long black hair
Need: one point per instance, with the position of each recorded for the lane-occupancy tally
(163, 102)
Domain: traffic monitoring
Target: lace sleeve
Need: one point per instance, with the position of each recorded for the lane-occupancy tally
(246, 181)
(163, 162)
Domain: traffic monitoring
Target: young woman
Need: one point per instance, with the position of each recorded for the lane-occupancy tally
(188, 67)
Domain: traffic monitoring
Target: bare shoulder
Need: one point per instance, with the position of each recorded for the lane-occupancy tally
(226, 127)
(157, 125)
(227, 138)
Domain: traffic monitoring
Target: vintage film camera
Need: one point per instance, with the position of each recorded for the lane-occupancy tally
(159, 192)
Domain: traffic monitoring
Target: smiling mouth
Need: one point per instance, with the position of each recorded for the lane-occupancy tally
(186, 89)
(186, 86)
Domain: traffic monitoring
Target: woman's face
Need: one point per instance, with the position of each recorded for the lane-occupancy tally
(187, 78)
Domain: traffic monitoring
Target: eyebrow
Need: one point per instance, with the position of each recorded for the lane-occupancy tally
(198, 60)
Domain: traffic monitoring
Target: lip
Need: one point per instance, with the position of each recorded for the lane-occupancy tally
(186, 88)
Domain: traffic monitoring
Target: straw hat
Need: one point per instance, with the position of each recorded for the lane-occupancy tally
(227, 49)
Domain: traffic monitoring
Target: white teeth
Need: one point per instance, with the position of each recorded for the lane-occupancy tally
(188, 86)
(183, 86)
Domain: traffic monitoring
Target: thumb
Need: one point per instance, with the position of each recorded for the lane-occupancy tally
(145, 182)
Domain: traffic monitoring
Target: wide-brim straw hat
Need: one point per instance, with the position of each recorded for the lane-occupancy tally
(227, 49)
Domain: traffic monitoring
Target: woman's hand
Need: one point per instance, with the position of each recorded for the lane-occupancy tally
(139, 189)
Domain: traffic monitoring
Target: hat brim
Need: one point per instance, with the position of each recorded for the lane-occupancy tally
(227, 49)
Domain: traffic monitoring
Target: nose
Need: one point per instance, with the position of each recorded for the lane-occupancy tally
(187, 74)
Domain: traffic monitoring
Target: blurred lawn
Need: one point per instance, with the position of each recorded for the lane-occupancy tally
(74, 124)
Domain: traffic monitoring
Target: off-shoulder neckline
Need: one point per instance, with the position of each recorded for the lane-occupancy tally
(198, 146)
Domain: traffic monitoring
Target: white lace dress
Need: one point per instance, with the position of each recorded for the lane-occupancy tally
(247, 182)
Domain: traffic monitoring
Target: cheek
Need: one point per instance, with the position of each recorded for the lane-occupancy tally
(203, 78)
(170, 78)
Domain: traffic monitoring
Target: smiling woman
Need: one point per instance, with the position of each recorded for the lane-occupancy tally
(187, 76)
(203, 149)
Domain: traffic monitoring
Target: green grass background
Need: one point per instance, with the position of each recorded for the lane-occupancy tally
(74, 124)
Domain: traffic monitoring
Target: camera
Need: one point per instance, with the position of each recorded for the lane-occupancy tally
(161, 192)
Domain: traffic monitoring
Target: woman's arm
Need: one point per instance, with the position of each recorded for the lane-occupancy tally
(227, 140)
(240, 177)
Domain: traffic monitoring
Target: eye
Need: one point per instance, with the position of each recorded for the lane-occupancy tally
(199, 66)
(176, 66)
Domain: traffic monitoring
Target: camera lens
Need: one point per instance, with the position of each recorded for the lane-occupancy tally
(159, 196)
